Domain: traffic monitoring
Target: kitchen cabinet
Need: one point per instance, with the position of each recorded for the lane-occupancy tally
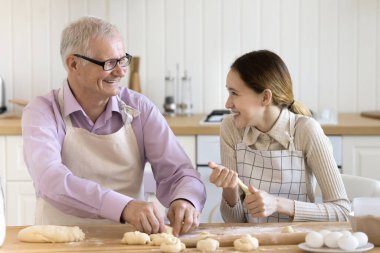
(361, 156)
(17, 184)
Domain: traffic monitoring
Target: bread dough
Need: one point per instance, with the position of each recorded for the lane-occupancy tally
(135, 238)
(158, 239)
(348, 242)
(172, 245)
(204, 234)
(331, 239)
(169, 229)
(314, 239)
(51, 233)
(287, 229)
(208, 244)
(246, 243)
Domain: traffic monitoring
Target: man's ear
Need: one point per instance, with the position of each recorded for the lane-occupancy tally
(267, 97)
(72, 63)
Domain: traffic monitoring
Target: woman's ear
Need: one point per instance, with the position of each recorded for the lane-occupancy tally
(267, 97)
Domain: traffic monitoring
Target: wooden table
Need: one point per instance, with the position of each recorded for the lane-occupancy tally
(107, 238)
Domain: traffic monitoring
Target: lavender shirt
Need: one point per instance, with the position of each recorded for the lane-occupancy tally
(43, 132)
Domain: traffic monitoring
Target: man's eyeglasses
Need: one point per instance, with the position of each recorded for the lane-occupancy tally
(111, 63)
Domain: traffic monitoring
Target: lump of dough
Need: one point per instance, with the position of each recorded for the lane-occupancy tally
(331, 239)
(348, 242)
(135, 238)
(314, 239)
(172, 245)
(207, 245)
(51, 233)
(246, 243)
(158, 239)
(287, 229)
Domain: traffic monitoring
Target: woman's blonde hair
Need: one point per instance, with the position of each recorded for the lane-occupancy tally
(262, 70)
(76, 37)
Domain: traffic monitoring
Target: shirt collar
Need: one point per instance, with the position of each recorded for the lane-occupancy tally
(277, 132)
(71, 105)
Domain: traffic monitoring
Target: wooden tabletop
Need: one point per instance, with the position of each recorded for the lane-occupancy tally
(106, 238)
(348, 124)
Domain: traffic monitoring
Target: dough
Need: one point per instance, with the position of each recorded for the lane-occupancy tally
(207, 245)
(51, 233)
(158, 239)
(172, 245)
(169, 229)
(246, 243)
(362, 238)
(135, 238)
(204, 234)
(314, 239)
(348, 242)
(287, 229)
(331, 239)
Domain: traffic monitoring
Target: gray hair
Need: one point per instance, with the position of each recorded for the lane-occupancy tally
(76, 37)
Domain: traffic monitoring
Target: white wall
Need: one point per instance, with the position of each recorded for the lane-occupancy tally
(332, 47)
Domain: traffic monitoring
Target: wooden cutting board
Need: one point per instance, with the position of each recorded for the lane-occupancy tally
(107, 237)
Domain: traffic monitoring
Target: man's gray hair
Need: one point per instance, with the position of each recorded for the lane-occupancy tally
(76, 37)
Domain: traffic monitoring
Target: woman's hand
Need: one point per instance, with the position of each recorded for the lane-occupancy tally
(260, 203)
(222, 176)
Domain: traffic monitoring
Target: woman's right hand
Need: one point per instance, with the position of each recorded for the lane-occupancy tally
(222, 176)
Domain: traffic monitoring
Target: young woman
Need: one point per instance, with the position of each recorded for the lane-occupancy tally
(272, 145)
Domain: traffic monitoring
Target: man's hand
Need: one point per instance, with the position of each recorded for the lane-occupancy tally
(183, 217)
(144, 216)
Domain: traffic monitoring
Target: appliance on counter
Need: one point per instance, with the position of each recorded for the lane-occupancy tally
(215, 117)
(3, 108)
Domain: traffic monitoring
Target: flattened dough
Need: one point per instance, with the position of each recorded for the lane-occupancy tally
(51, 233)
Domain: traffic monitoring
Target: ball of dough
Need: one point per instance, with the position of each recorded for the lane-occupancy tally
(172, 245)
(331, 239)
(158, 239)
(348, 242)
(314, 239)
(324, 232)
(246, 243)
(287, 229)
(362, 238)
(50, 233)
(346, 232)
(135, 238)
(208, 244)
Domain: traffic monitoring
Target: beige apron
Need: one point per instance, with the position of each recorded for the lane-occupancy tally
(112, 161)
(278, 172)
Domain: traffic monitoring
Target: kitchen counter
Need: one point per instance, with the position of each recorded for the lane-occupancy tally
(348, 124)
(106, 238)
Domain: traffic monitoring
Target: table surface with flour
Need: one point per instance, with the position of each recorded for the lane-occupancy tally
(107, 238)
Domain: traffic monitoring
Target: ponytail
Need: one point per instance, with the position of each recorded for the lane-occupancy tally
(298, 108)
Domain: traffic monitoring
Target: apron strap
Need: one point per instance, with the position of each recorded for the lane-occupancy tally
(290, 134)
(67, 120)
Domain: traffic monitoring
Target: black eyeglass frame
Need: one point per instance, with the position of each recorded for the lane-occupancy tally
(103, 63)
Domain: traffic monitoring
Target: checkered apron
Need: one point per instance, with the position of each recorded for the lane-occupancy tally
(278, 172)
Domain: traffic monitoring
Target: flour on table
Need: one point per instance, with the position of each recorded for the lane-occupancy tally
(135, 238)
(51, 233)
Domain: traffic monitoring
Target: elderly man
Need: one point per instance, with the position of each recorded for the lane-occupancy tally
(86, 144)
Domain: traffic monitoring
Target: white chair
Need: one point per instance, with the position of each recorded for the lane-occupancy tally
(356, 186)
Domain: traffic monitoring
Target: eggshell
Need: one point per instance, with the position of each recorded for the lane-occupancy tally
(314, 239)
(346, 232)
(348, 242)
(331, 239)
(324, 232)
(362, 238)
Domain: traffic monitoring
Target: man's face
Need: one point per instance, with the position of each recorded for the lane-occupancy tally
(91, 79)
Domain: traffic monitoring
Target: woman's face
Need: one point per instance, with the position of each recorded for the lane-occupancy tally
(245, 103)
